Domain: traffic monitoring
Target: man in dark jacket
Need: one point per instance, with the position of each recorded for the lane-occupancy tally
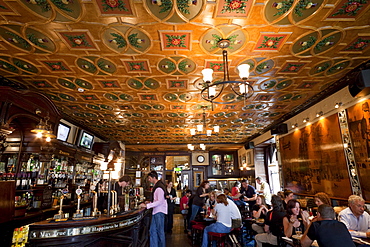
(327, 231)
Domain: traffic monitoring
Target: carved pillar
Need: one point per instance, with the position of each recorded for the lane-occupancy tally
(348, 152)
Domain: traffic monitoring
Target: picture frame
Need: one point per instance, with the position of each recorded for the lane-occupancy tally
(198, 178)
(231, 184)
(249, 158)
(185, 180)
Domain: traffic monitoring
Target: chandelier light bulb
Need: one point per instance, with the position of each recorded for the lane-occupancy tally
(39, 135)
(216, 128)
(207, 75)
(189, 146)
(48, 139)
(209, 132)
(243, 88)
(212, 92)
(192, 132)
(200, 127)
(202, 146)
(244, 70)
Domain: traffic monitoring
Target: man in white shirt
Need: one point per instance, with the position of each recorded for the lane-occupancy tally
(355, 218)
(263, 188)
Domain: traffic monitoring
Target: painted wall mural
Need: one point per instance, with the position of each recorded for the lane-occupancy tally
(313, 159)
(359, 128)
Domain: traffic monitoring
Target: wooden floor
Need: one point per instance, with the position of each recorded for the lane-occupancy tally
(178, 238)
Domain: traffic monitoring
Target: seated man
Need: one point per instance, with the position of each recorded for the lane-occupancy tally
(355, 218)
(327, 231)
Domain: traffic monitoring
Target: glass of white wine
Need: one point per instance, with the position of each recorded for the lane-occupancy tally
(298, 231)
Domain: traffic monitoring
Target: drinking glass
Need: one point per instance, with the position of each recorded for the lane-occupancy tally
(298, 231)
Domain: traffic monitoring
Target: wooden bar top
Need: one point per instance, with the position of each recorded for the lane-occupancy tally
(51, 228)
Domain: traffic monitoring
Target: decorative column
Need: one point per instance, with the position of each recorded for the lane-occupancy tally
(348, 152)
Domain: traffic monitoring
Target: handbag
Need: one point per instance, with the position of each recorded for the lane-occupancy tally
(236, 223)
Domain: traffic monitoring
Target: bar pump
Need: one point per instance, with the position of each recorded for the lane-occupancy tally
(78, 213)
(95, 205)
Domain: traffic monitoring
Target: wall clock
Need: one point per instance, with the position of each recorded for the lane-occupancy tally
(200, 158)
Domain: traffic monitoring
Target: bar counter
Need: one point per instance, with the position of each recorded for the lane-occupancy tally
(129, 228)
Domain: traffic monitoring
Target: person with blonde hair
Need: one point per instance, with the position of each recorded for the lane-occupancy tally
(356, 219)
(211, 201)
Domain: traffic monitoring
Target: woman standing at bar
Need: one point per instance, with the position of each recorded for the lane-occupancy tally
(295, 222)
(198, 201)
(171, 197)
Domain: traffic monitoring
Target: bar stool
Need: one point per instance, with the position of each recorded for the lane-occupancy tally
(220, 238)
(197, 233)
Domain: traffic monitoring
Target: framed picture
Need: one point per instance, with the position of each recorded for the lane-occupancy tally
(231, 184)
(249, 157)
(213, 184)
(198, 178)
(185, 180)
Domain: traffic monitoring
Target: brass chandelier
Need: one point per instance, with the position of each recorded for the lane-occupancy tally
(212, 90)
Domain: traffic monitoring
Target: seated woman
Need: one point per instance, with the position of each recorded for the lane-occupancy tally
(235, 194)
(259, 211)
(211, 201)
(224, 212)
(322, 198)
(273, 223)
(294, 219)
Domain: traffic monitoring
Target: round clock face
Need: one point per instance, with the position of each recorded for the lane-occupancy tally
(200, 158)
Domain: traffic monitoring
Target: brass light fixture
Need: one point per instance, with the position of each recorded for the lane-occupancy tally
(212, 90)
(201, 132)
(43, 129)
(201, 129)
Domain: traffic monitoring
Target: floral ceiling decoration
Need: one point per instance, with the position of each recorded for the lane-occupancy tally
(131, 70)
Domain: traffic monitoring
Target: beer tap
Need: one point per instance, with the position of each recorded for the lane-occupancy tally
(60, 214)
(78, 213)
(112, 208)
(117, 204)
(95, 204)
(61, 205)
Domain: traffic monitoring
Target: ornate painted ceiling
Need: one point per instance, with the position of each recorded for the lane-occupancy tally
(131, 70)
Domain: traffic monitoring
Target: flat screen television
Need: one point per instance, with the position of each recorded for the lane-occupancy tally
(86, 140)
(63, 132)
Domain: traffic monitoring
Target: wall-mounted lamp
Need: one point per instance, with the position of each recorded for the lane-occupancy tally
(337, 105)
(319, 114)
(305, 120)
(294, 126)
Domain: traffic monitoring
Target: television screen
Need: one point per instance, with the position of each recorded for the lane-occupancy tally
(86, 140)
(63, 132)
